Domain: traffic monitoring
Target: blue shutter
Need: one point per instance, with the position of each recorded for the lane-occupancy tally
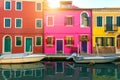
(18, 5)
(7, 5)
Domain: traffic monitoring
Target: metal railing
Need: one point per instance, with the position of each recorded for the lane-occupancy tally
(111, 28)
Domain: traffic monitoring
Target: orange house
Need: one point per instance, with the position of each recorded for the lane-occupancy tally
(21, 26)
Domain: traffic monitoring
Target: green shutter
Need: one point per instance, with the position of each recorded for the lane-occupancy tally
(102, 41)
(112, 41)
(118, 20)
(88, 21)
(18, 41)
(18, 22)
(38, 41)
(106, 41)
(96, 40)
(99, 21)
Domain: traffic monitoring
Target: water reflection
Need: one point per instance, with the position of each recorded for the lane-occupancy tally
(59, 71)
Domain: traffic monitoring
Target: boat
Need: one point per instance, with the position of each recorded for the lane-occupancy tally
(20, 58)
(93, 58)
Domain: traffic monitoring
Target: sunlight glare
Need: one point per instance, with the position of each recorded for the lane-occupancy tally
(54, 3)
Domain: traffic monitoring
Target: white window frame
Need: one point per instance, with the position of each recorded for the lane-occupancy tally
(10, 22)
(16, 6)
(47, 21)
(69, 44)
(49, 44)
(5, 5)
(36, 40)
(21, 22)
(16, 41)
(66, 22)
(36, 7)
(102, 22)
(36, 23)
(83, 26)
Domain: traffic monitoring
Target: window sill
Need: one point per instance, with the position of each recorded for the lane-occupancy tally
(69, 45)
(50, 45)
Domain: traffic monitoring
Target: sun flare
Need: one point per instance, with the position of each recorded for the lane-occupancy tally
(54, 3)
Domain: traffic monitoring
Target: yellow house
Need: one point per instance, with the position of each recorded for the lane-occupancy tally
(106, 30)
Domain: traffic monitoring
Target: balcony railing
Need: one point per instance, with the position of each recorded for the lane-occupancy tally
(111, 28)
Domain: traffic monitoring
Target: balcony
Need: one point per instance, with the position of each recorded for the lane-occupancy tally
(111, 28)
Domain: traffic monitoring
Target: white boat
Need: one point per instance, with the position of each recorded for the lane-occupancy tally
(93, 58)
(21, 58)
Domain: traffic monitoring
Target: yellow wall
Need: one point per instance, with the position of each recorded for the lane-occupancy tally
(100, 31)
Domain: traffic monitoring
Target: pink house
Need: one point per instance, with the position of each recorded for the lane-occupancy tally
(67, 29)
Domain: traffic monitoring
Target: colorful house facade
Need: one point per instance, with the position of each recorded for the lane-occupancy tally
(106, 31)
(21, 26)
(67, 29)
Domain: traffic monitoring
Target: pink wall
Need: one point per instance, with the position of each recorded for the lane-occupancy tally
(60, 30)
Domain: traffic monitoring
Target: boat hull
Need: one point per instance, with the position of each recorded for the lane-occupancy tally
(24, 59)
(94, 59)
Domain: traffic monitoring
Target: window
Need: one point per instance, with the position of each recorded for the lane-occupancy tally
(50, 21)
(18, 22)
(18, 5)
(38, 23)
(65, 6)
(7, 5)
(18, 41)
(110, 41)
(99, 21)
(38, 41)
(50, 41)
(85, 20)
(38, 6)
(99, 41)
(69, 20)
(7, 22)
(118, 21)
(69, 40)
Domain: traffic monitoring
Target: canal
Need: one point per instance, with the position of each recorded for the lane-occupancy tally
(59, 70)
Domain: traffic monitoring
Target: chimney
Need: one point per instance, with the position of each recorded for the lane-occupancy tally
(65, 4)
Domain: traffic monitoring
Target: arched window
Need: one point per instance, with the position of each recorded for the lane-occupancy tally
(84, 19)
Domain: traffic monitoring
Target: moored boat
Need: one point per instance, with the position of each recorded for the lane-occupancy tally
(93, 58)
(21, 58)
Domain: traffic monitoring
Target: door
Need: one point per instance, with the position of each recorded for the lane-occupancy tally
(7, 44)
(118, 43)
(59, 46)
(84, 46)
(109, 26)
(28, 45)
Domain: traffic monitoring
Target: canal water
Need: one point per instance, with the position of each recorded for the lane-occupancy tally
(59, 71)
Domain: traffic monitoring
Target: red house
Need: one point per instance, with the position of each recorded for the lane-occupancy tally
(21, 26)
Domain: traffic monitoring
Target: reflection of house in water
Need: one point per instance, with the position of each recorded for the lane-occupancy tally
(118, 73)
(66, 71)
(105, 72)
(23, 73)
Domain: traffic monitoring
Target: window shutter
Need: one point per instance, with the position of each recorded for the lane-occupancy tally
(46, 40)
(96, 40)
(65, 21)
(112, 41)
(88, 21)
(72, 20)
(72, 40)
(65, 40)
(106, 41)
(53, 40)
(102, 41)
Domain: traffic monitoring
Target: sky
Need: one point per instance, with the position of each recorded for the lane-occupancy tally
(90, 3)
